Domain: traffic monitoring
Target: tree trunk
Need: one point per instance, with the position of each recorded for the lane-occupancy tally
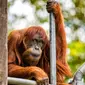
(3, 42)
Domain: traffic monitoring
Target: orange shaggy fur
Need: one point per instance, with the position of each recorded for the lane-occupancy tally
(16, 67)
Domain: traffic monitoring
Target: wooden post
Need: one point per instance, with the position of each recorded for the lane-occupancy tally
(3, 42)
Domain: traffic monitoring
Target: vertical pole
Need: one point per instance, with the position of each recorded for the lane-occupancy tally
(3, 42)
(53, 68)
(52, 50)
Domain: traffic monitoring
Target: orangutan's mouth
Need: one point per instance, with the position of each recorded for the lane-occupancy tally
(35, 55)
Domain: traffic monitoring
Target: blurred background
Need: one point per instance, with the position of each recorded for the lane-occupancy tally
(24, 13)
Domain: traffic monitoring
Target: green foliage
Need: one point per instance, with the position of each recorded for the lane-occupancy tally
(40, 5)
(77, 54)
(77, 18)
(77, 48)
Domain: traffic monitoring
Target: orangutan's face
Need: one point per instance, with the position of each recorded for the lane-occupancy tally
(33, 51)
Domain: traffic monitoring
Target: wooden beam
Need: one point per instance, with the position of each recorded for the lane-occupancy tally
(3, 42)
